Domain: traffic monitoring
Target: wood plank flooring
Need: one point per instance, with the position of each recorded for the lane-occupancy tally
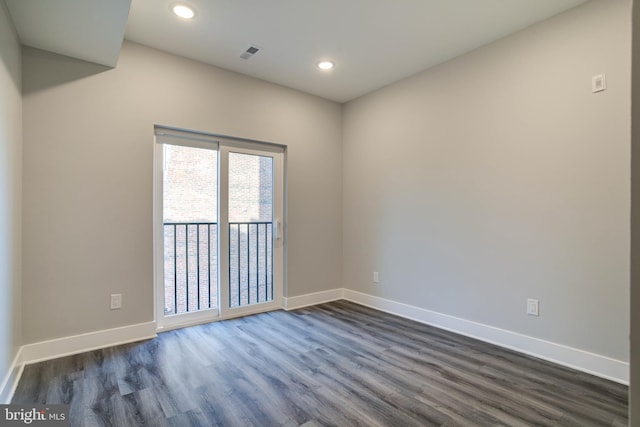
(336, 364)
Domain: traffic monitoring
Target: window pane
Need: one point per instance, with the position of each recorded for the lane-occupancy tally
(250, 229)
(250, 188)
(190, 184)
(190, 191)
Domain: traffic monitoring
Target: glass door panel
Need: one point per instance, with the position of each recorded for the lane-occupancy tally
(215, 196)
(190, 231)
(250, 210)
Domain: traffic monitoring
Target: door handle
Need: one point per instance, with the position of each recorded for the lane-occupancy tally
(276, 230)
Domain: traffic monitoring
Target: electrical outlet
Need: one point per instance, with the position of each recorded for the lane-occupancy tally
(116, 301)
(533, 307)
(376, 277)
(598, 83)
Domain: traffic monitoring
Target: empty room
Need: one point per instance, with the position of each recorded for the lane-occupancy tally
(319, 213)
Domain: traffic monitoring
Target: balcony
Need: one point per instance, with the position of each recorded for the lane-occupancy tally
(191, 265)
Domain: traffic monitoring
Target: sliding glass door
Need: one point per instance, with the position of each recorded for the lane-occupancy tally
(218, 209)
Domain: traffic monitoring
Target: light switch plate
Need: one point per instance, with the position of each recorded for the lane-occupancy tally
(533, 307)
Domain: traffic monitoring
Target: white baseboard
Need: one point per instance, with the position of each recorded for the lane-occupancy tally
(10, 382)
(595, 364)
(581, 360)
(301, 301)
(45, 350)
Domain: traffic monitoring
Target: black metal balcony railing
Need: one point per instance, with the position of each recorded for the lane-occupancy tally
(190, 265)
(250, 263)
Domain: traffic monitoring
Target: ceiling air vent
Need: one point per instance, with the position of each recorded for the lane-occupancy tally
(252, 50)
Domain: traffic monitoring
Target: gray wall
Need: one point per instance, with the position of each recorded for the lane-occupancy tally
(634, 397)
(10, 192)
(88, 147)
(498, 177)
(472, 186)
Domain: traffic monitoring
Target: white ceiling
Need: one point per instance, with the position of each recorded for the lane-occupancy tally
(91, 30)
(373, 42)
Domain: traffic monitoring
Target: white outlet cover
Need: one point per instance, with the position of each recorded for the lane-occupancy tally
(116, 301)
(533, 307)
(376, 277)
(598, 83)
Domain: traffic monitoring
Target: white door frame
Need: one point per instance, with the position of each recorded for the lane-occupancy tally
(275, 153)
(224, 145)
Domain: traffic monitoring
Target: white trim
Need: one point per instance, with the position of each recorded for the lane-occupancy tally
(184, 324)
(594, 364)
(51, 349)
(301, 301)
(10, 382)
(256, 309)
(581, 360)
(275, 153)
(244, 311)
(187, 319)
(158, 236)
(214, 137)
(185, 138)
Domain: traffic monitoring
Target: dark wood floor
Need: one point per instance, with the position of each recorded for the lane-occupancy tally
(337, 364)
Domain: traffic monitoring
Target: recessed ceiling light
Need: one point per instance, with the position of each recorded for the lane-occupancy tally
(325, 65)
(183, 11)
